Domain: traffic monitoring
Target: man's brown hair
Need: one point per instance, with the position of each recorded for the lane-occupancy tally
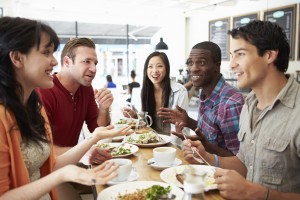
(69, 48)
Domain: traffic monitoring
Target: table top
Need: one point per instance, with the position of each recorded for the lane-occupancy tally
(147, 173)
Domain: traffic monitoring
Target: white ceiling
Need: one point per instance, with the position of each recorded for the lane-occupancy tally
(144, 16)
(114, 11)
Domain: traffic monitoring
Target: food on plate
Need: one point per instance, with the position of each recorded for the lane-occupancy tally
(180, 178)
(122, 121)
(115, 151)
(145, 138)
(208, 179)
(142, 130)
(151, 193)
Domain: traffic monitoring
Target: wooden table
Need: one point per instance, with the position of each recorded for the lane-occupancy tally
(147, 173)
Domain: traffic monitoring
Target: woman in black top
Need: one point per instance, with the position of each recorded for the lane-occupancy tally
(133, 84)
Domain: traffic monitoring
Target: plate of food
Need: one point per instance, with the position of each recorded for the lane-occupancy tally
(139, 190)
(150, 139)
(118, 150)
(175, 175)
(118, 138)
(134, 123)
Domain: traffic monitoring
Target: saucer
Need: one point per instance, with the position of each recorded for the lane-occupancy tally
(161, 167)
(132, 177)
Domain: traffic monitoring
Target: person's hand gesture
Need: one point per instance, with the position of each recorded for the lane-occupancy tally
(129, 113)
(96, 155)
(179, 132)
(104, 98)
(228, 180)
(172, 116)
(109, 132)
(201, 136)
(99, 175)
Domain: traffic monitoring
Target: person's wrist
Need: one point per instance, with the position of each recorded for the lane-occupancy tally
(216, 160)
(104, 110)
(62, 174)
(95, 136)
(191, 123)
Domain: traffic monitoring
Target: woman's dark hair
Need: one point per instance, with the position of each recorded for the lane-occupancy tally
(147, 94)
(265, 35)
(20, 34)
(132, 74)
(108, 78)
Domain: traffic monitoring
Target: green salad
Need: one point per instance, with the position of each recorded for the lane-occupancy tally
(115, 151)
(151, 193)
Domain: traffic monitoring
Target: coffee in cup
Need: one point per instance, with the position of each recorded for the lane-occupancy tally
(164, 156)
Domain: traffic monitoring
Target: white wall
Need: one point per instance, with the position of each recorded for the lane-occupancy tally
(173, 33)
(197, 24)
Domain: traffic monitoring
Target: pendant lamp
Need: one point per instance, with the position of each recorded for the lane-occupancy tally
(161, 45)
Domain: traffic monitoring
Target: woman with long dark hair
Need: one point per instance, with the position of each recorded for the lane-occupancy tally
(159, 91)
(28, 169)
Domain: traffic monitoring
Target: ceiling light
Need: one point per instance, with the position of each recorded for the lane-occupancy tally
(161, 45)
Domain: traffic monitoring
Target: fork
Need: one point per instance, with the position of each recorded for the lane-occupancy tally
(201, 160)
(124, 141)
(160, 139)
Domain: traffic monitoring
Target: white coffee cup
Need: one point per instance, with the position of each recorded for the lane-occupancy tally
(124, 170)
(164, 156)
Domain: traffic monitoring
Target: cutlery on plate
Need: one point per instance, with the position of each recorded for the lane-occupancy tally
(169, 196)
(150, 163)
(160, 139)
(115, 148)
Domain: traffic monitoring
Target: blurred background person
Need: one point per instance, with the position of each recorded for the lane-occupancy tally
(133, 84)
(110, 83)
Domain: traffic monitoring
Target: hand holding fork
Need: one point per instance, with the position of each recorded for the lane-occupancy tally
(195, 154)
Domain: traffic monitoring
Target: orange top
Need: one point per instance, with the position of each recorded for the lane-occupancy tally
(13, 171)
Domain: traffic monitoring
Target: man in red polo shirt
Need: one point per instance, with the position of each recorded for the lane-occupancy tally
(72, 100)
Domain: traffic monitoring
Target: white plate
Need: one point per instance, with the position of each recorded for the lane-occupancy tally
(161, 167)
(132, 147)
(169, 175)
(132, 177)
(124, 188)
(118, 139)
(167, 139)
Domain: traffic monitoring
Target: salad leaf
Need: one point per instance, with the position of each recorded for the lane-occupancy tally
(156, 191)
